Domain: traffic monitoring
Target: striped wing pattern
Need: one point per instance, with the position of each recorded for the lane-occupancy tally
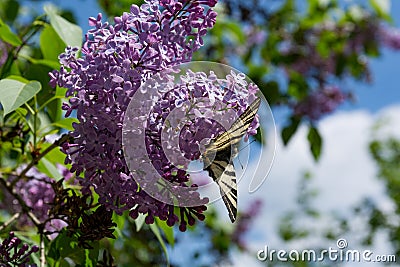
(221, 169)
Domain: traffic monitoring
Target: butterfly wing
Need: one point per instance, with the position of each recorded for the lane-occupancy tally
(239, 127)
(221, 169)
(228, 190)
(223, 173)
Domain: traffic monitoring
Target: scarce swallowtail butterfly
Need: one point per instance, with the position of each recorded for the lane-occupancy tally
(221, 151)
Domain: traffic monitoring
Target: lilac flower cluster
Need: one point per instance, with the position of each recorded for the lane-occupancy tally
(116, 60)
(243, 223)
(37, 193)
(390, 37)
(13, 254)
(324, 65)
(320, 102)
(312, 61)
(211, 102)
(3, 53)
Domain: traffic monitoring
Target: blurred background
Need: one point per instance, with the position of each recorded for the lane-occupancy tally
(329, 71)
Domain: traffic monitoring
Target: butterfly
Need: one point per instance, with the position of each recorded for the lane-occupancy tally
(219, 154)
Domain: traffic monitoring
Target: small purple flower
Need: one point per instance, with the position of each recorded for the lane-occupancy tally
(244, 222)
(3, 53)
(37, 193)
(308, 59)
(14, 253)
(390, 37)
(321, 102)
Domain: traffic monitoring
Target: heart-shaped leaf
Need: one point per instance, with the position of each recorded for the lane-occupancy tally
(14, 94)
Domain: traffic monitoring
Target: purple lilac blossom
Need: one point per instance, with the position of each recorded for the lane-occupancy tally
(325, 68)
(37, 193)
(319, 103)
(3, 53)
(243, 223)
(13, 251)
(116, 60)
(312, 63)
(209, 98)
(310, 59)
(390, 37)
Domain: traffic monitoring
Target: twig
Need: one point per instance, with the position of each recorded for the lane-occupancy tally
(35, 160)
(7, 223)
(42, 252)
(25, 208)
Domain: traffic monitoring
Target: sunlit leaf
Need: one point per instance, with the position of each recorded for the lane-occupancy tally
(51, 49)
(48, 168)
(168, 231)
(157, 233)
(14, 94)
(315, 141)
(66, 123)
(140, 221)
(382, 8)
(70, 33)
(8, 36)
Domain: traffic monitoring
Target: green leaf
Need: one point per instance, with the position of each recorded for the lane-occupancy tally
(66, 123)
(235, 29)
(157, 233)
(46, 62)
(14, 94)
(61, 91)
(51, 44)
(298, 86)
(8, 36)
(54, 156)
(18, 78)
(91, 256)
(48, 168)
(271, 91)
(168, 231)
(70, 33)
(10, 9)
(62, 246)
(315, 141)
(140, 221)
(382, 8)
(290, 130)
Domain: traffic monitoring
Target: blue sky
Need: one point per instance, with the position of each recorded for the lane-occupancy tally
(383, 91)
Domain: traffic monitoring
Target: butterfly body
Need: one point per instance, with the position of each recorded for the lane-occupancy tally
(219, 154)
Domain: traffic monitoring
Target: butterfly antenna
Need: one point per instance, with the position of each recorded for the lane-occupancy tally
(252, 141)
(242, 149)
(241, 165)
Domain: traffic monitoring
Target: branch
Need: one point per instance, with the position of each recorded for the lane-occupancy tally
(35, 160)
(42, 252)
(7, 223)
(25, 208)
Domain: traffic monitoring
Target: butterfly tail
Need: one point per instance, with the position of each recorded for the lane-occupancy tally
(228, 189)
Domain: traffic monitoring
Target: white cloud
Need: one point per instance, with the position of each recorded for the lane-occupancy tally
(344, 175)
